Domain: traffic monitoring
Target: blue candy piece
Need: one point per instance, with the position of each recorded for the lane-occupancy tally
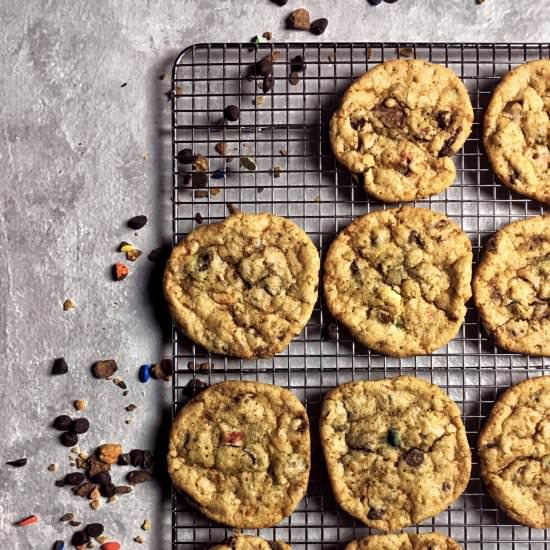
(59, 545)
(218, 174)
(144, 373)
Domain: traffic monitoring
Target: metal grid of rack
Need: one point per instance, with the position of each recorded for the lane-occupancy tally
(297, 176)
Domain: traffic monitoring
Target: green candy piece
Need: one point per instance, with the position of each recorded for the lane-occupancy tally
(393, 437)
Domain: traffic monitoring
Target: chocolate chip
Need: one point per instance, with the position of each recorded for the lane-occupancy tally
(203, 260)
(101, 478)
(267, 84)
(75, 523)
(375, 513)
(74, 478)
(446, 486)
(137, 222)
(391, 117)
(358, 123)
(122, 490)
(194, 386)
(166, 367)
(105, 368)
(185, 156)
(297, 64)
(60, 366)
(67, 517)
(280, 2)
(384, 317)
(446, 150)
(294, 78)
(415, 238)
(107, 490)
(199, 180)
(59, 483)
(123, 459)
(414, 457)
(374, 2)
(95, 466)
(491, 245)
(69, 439)
(81, 425)
(94, 529)
(137, 457)
(231, 113)
(19, 463)
(319, 26)
(62, 422)
(139, 476)
(444, 119)
(80, 538)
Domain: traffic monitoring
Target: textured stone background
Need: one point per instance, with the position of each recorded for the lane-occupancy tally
(80, 155)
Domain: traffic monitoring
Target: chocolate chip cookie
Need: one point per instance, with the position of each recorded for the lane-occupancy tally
(396, 450)
(516, 131)
(241, 451)
(399, 124)
(247, 542)
(399, 280)
(243, 287)
(514, 451)
(405, 541)
(512, 286)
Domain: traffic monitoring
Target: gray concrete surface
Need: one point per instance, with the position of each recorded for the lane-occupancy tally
(80, 154)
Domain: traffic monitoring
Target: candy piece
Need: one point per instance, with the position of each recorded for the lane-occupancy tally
(144, 373)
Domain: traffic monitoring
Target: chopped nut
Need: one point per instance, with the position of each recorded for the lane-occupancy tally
(248, 163)
(215, 191)
(94, 494)
(109, 453)
(406, 52)
(277, 171)
(131, 407)
(105, 368)
(80, 404)
(299, 20)
(220, 148)
(112, 498)
(67, 517)
(267, 35)
(146, 525)
(53, 467)
(139, 539)
(69, 304)
(95, 504)
(200, 163)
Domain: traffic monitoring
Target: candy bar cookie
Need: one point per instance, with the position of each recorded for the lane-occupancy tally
(405, 541)
(399, 125)
(512, 286)
(516, 130)
(243, 287)
(241, 451)
(396, 450)
(514, 451)
(399, 280)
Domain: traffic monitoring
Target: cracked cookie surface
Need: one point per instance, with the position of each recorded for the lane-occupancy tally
(243, 287)
(247, 542)
(399, 280)
(241, 451)
(399, 124)
(405, 541)
(516, 130)
(396, 450)
(514, 450)
(512, 286)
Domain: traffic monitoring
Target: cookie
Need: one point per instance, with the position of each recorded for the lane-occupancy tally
(243, 287)
(405, 541)
(516, 130)
(399, 280)
(399, 124)
(247, 542)
(241, 451)
(396, 450)
(512, 286)
(514, 452)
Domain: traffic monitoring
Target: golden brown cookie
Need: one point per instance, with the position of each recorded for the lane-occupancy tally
(399, 124)
(405, 541)
(399, 280)
(396, 450)
(516, 130)
(512, 286)
(241, 451)
(243, 287)
(514, 451)
(247, 542)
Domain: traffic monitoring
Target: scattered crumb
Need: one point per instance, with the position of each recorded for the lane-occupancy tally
(215, 191)
(146, 525)
(69, 304)
(131, 407)
(277, 171)
(283, 152)
(331, 57)
(267, 35)
(317, 199)
(53, 467)
(139, 539)
(179, 90)
(80, 404)
(95, 504)
(369, 53)
(124, 84)
(406, 52)
(145, 156)
(259, 101)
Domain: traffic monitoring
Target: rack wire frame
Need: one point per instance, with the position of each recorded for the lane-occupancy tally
(288, 129)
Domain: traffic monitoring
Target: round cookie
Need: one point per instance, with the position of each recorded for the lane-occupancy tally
(399, 124)
(516, 130)
(243, 287)
(512, 286)
(248, 542)
(405, 541)
(399, 280)
(396, 450)
(241, 451)
(514, 451)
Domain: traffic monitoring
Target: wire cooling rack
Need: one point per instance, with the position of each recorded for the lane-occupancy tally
(284, 131)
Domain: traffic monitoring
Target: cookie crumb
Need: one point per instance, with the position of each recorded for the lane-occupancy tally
(69, 304)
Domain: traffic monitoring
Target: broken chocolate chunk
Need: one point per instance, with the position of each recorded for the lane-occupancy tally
(447, 149)
(105, 368)
(414, 457)
(391, 117)
(375, 513)
(444, 119)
